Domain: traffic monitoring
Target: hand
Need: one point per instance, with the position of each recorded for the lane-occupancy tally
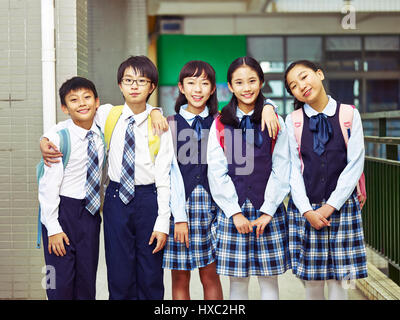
(316, 220)
(270, 119)
(159, 123)
(361, 200)
(49, 152)
(261, 222)
(326, 211)
(56, 244)
(241, 223)
(181, 233)
(161, 238)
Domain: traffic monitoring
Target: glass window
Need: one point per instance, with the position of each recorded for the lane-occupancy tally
(273, 88)
(268, 51)
(382, 53)
(343, 53)
(345, 90)
(382, 95)
(373, 43)
(300, 48)
(167, 96)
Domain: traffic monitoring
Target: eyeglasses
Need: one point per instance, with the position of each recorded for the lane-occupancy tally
(139, 82)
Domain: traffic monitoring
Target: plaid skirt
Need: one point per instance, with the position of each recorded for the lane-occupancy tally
(243, 255)
(201, 210)
(335, 252)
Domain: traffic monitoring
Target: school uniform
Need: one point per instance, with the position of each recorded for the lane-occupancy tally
(255, 190)
(191, 200)
(62, 196)
(133, 272)
(335, 252)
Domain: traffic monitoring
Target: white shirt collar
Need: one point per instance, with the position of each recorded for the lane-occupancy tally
(329, 109)
(81, 132)
(240, 113)
(139, 118)
(188, 116)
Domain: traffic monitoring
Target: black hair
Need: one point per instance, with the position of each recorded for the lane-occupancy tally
(74, 84)
(195, 68)
(142, 66)
(306, 63)
(228, 113)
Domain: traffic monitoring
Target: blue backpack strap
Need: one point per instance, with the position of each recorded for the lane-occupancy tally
(65, 149)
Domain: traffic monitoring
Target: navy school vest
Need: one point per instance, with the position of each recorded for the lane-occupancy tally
(322, 172)
(192, 154)
(249, 178)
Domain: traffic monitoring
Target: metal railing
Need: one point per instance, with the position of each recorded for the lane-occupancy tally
(381, 213)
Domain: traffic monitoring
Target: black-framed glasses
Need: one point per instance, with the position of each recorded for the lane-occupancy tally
(139, 82)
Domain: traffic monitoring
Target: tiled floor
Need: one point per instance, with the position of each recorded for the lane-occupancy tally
(290, 287)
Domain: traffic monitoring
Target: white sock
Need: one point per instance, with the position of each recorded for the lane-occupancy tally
(336, 291)
(314, 289)
(269, 288)
(239, 288)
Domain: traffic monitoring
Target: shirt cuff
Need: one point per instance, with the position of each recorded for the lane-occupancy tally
(53, 227)
(232, 210)
(268, 208)
(162, 224)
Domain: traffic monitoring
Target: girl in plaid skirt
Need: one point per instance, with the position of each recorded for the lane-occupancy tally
(193, 225)
(249, 178)
(325, 229)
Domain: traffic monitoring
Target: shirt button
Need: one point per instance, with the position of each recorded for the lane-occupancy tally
(198, 177)
(322, 180)
(322, 164)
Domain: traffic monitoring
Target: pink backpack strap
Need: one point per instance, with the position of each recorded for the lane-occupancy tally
(298, 121)
(346, 113)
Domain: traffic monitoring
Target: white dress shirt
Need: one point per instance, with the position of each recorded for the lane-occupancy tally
(70, 182)
(146, 172)
(350, 175)
(222, 188)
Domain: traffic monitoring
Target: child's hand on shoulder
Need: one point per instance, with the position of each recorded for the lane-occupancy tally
(161, 238)
(261, 222)
(56, 244)
(159, 122)
(49, 152)
(242, 224)
(270, 120)
(181, 233)
(316, 220)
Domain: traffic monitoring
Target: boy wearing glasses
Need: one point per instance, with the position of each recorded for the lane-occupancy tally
(136, 206)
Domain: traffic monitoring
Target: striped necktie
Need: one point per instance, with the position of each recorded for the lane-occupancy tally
(127, 182)
(92, 177)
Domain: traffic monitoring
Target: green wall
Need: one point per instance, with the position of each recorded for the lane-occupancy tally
(173, 51)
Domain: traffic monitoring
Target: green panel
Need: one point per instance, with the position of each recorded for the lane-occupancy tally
(173, 51)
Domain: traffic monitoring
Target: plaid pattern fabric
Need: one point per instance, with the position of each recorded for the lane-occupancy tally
(92, 177)
(335, 252)
(202, 220)
(127, 189)
(243, 255)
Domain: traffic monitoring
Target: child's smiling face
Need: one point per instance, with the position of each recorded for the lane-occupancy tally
(245, 85)
(136, 92)
(197, 91)
(81, 105)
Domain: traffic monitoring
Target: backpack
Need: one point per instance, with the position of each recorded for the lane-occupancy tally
(220, 133)
(346, 113)
(65, 149)
(111, 121)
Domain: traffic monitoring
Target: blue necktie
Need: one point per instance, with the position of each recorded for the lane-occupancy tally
(197, 126)
(322, 131)
(92, 177)
(246, 124)
(127, 187)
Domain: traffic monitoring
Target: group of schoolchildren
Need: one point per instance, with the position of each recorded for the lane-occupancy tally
(203, 189)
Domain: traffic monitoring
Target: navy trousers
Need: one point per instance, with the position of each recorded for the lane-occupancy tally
(75, 272)
(133, 272)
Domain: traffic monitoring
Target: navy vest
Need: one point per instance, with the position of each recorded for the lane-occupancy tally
(322, 172)
(192, 154)
(251, 184)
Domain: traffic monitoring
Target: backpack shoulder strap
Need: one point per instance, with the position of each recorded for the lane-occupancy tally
(173, 127)
(111, 121)
(346, 114)
(154, 140)
(298, 121)
(220, 131)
